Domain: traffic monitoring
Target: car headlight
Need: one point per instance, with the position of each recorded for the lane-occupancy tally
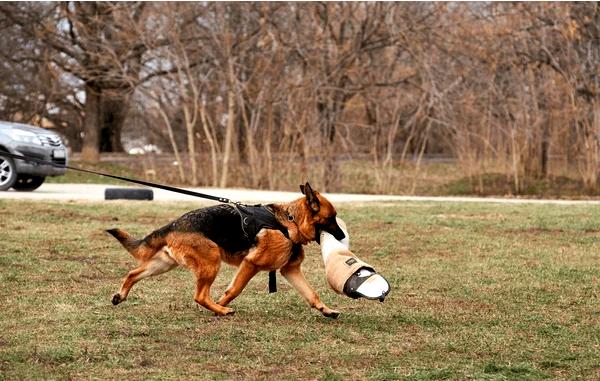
(24, 137)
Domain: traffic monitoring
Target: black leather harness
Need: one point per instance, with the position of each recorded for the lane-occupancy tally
(257, 217)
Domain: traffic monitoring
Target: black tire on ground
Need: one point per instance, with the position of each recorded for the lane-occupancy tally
(28, 183)
(128, 194)
(8, 173)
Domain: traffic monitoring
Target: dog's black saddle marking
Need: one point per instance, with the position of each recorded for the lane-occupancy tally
(231, 226)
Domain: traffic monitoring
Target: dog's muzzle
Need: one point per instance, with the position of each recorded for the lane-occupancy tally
(335, 231)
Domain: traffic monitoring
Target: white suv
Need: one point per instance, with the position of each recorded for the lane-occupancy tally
(34, 142)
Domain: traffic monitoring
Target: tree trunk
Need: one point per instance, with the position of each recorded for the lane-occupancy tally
(173, 143)
(268, 154)
(90, 150)
(211, 143)
(102, 124)
(230, 127)
(595, 154)
(332, 176)
(242, 155)
(113, 113)
(191, 143)
(545, 148)
(328, 115)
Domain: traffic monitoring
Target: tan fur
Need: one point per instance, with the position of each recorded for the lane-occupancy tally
(203, 257)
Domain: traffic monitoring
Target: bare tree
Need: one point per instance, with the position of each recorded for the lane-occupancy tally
(98, 45)
(261, 94)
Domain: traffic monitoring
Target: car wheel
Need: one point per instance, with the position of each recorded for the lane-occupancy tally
(28, 183)
(8, 173)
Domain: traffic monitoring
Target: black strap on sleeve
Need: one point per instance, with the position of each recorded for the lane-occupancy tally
(272, 282)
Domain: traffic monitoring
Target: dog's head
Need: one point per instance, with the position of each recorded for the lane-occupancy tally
(321, 215)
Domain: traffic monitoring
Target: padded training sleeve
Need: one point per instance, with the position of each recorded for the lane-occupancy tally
(340, 266)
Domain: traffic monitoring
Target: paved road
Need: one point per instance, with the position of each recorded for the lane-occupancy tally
(95, 192)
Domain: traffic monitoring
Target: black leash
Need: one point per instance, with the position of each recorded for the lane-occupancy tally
(135, 181)
(272, 274)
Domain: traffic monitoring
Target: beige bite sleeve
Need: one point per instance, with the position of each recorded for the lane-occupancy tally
(340, 265)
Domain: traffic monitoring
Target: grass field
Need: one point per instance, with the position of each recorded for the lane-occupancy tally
(479, 291)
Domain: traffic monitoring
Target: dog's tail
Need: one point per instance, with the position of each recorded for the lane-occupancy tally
(140, 249)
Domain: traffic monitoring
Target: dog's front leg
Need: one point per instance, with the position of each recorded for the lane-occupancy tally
(245, 272)
(293, 274)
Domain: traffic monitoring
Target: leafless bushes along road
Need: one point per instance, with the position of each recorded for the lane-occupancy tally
(245, 92)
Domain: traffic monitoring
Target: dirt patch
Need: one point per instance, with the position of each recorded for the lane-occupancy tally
(535, 230)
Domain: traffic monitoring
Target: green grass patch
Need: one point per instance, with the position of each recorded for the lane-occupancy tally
(479, 291)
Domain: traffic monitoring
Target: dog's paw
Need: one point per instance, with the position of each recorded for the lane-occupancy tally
(226, 311)
(116, 299)
(333, 314)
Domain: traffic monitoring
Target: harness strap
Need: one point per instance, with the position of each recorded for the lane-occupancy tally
(272, 282)
(253, 219)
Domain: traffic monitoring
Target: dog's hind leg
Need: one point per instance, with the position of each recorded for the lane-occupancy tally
(160, 263)
(293, 274)
(203, 258)
(203, 298)
(206, 273)
(245, 272)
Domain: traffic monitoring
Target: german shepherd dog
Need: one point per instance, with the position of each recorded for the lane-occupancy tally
(201, 239)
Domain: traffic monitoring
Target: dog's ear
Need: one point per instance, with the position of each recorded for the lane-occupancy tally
(311, 197)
